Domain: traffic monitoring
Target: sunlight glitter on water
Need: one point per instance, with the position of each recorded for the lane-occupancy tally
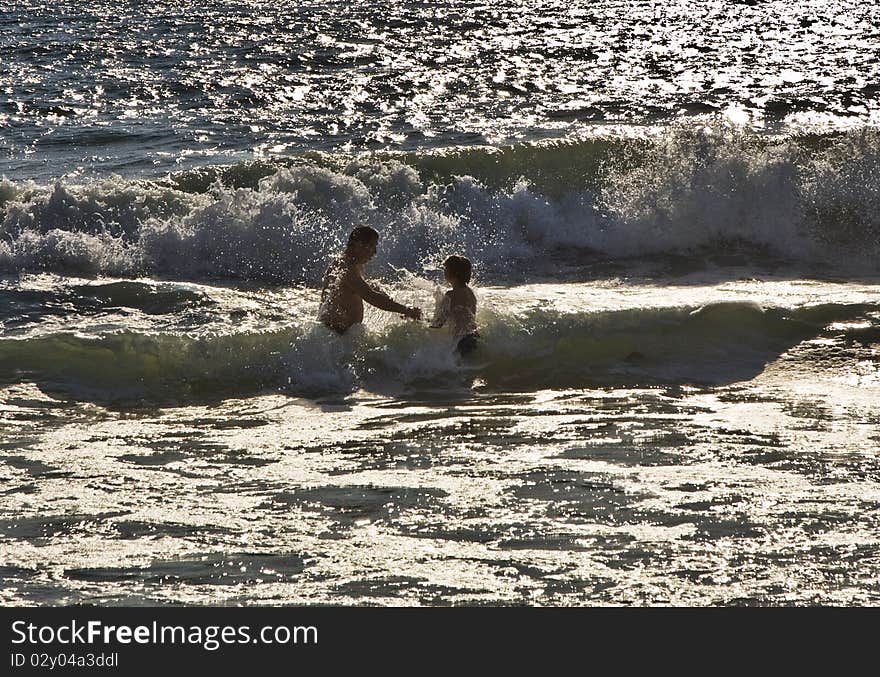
(743, 494)
(672, 215)
(405, 75)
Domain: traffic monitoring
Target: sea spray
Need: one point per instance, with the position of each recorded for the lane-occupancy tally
(689, 190)
(519, 349)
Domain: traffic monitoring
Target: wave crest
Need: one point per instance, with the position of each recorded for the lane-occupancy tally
(689, 189)
(540, 348)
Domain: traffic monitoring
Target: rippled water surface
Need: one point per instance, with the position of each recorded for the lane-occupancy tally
(673, 212)
(135, 87)
(756, 481)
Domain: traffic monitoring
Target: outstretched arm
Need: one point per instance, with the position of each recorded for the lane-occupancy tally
(381, 300)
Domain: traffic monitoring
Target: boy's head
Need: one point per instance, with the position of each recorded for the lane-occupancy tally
(457, 269)
(362, 243)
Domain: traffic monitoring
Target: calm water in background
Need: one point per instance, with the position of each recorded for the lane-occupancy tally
(673, 214)
(142, 89)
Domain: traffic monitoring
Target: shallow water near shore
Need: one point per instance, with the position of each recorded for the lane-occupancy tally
(757, 486)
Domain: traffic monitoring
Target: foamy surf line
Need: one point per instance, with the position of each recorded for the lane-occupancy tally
(689, 190)
(527, 350)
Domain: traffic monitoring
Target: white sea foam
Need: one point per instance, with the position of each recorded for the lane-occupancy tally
(689, 190)
(519, 349)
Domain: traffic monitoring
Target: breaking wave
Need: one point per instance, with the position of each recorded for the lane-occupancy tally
(539, 348)
(688, 190)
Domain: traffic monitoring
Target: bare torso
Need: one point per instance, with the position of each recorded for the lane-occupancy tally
(458, 310)
(343, 294)
(341, 301)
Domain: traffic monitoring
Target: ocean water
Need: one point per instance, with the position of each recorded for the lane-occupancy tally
(674, 218)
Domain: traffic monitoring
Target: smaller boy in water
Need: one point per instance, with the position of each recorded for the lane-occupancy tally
(459, 305)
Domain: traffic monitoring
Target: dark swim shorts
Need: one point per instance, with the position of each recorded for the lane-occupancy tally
(467, 344)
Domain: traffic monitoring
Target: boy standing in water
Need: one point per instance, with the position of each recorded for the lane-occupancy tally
(344, 289)
(459, 305)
